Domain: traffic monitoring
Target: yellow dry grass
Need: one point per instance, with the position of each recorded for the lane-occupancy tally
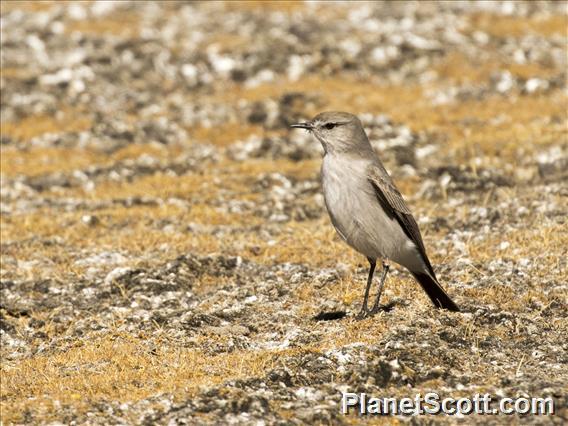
(43, 160)
(457, 67)
(68, 225)
(15, 73)
(30, 6)
(133, 367)
(121, 24)
(36, 161)
(68, 120)
(122, 366)
(506, 123)
(226, 43)
(118, 23)
(515, 26)
(265, 6)
(225, 134)
(526, 243)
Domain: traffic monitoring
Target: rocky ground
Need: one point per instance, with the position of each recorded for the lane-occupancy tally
(166, 255)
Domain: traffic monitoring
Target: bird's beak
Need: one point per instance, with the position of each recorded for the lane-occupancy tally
(307, 126)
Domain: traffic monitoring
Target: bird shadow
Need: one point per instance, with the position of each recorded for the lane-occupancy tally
(330, 316)
(390, 306)
(337, 315)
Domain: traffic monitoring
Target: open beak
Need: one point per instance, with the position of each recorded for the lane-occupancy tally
(307, 126)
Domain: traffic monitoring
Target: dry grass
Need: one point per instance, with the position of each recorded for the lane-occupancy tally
(458, 68)
(504, 124)
(115, 367)
(30, 6)
(122, 366)
(501, 127)
(225, 134)
(43, 160)
(68, 120)
(35, 161)
(119, 23)
(226, 43)
(125, 366)
(266, 6)
(515, 26)
(15, 73)
(130, 367)
(133, 367)
(524, 243)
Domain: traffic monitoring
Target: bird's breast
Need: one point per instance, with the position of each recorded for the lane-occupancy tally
(355, 210)
(347, 195)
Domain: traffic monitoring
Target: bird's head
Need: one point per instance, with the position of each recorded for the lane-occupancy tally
(337, 132)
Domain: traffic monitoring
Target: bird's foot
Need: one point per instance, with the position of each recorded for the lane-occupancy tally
(366, 312)
(386, 308)
(375, 310)
(363, 313)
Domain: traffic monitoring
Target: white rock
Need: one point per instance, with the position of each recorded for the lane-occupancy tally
(536, 84)
(115, 274)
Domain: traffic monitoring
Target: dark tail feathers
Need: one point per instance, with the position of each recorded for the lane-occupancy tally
(435, 292)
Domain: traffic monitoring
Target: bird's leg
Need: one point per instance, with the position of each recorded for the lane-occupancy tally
(364, 309)
(375, 308)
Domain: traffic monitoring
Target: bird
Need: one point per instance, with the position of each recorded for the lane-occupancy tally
(366, 208)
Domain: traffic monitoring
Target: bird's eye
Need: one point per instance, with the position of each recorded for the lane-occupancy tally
(329, 126)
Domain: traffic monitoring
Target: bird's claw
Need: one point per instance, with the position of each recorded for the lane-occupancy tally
(375, 309)
(366, 313)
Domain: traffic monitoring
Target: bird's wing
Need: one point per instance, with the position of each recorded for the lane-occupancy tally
(385, 188)
(393, 203)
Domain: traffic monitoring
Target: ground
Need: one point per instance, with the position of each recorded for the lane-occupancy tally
(166, 256)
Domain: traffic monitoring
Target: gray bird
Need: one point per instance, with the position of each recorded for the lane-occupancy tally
(366, 209)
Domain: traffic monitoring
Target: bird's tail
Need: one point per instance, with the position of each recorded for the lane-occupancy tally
(435, 292)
